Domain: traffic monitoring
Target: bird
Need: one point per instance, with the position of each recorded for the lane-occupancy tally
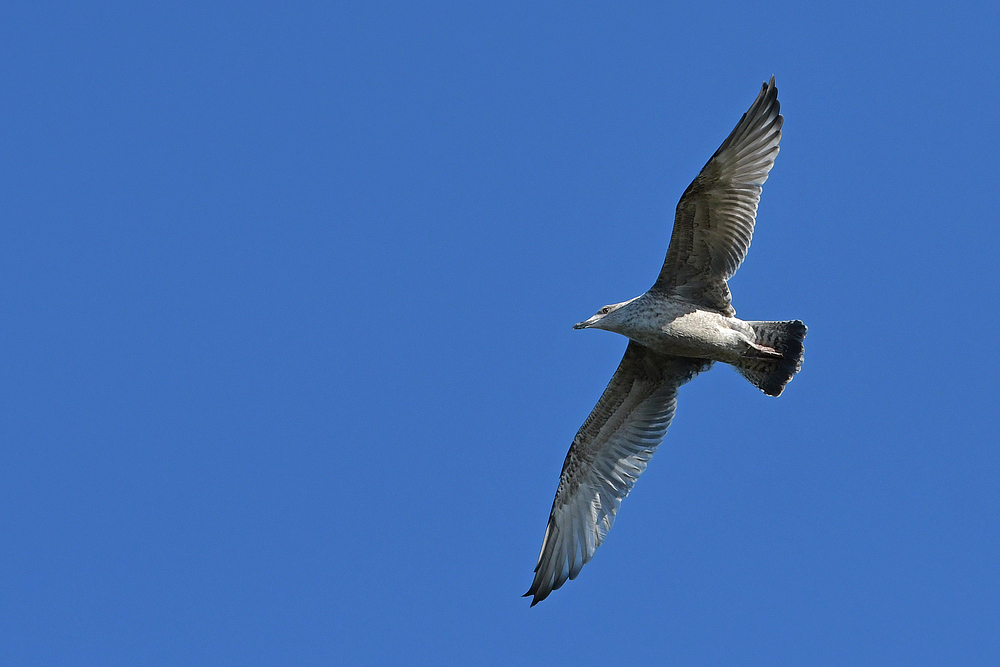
(677, 329)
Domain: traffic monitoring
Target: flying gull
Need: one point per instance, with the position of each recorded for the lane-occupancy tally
(679, 328)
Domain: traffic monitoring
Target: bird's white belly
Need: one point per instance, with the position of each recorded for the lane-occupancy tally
(699, 334)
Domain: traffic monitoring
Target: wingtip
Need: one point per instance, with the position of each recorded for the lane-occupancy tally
(768, 86)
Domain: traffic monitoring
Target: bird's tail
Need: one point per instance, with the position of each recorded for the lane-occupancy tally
(770, 375)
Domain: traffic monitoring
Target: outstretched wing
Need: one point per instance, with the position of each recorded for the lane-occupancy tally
(715, 216)
(608, 454)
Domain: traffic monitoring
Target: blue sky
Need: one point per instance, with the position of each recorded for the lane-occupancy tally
(288, 368)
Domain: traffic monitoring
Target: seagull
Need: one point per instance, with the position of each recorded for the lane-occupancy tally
(677, 329)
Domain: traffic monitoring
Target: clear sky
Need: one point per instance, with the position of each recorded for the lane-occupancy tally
(288, 372)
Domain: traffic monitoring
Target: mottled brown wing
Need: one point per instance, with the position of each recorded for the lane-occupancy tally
(715, 216)
(608, 454)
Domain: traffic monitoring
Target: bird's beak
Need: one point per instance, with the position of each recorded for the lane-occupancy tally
(586, 324)
(580, 325)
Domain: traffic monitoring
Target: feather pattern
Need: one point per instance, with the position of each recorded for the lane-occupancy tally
(608, 454)
(715, 217)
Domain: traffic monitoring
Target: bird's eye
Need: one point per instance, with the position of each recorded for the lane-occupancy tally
(605, 310)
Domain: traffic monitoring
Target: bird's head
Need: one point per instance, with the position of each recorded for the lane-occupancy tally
(608, 318)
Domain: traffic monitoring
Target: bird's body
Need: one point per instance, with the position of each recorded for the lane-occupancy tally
(676, 329)
(673, 326)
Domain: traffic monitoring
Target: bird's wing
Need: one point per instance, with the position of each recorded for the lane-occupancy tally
(715, 215)
(608, 454)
